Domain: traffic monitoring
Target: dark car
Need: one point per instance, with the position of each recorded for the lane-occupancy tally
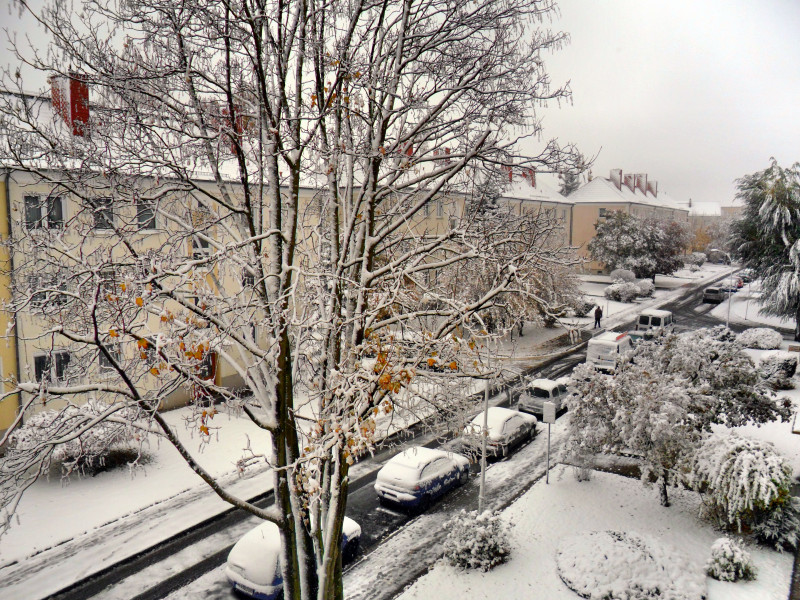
(419, 475)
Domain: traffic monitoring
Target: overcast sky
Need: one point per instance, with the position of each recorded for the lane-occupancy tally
(693, 92)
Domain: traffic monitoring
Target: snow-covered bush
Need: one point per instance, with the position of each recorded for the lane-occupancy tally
(87, 452)
(730, 561)
(476, 541)
(777, 369)
(781, 526)
(613, 565)
(623, 276)
(693, 268)
(742, 480)
(696, 258)
(581, 306)
(760, 338)
(622, 292)
(647, 289)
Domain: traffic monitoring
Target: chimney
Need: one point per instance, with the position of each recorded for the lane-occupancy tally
(629, 182)
(530, 174)
(616, 178)
(70, 96)
(641, 182)
(652, 187)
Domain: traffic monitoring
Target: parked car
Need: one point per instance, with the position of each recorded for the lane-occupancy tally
(419, 475)
(652, 323)
(540, 391)
(253, 566)
(746, 276)
(714, 295)
(603, 351)
(507, 429)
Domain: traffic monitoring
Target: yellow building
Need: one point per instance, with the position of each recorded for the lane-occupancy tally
(8, 348)
(634, 194)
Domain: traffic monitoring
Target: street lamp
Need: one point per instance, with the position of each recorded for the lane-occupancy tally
(730, 284)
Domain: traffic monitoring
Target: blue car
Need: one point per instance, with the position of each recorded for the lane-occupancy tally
(254, 567)
(419, 475)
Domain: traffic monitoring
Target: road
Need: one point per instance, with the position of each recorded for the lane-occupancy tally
(195, 558)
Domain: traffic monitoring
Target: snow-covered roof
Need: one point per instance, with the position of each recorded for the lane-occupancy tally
(545, 384)
(495, 418)
(416, 457)
(521, 189)
(609, 337)
(655, 312)
(603, 191)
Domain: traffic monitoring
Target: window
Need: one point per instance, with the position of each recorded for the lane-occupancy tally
(45, 289)
(103, 213)
(104, 362)
(603, 213)
(200, 247)
(439, 208)
(108, 281)
(44, 212)
(427, 209)
(145, 214)
(43, 366)
(248, 279)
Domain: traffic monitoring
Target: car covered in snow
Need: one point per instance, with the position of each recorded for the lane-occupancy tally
(715, 295)
(506, 429)
(604, 351)
(540, 391)
(254, 568)
(419, 475)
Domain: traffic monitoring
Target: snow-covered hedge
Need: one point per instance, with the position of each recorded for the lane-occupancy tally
(623, 276)
(581, 306)
(90, 450)
(693, 268)
(696, 259)
(760, 338)
(730, 561)
(742, 479)
(476, 541)
(647, 289)
(614, 565)
(777, 368)
(622, 292)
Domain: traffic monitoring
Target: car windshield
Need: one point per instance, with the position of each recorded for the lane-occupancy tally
(540, 393)
(656, 321)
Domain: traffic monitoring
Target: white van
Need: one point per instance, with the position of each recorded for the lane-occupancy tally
(653, 322)
(603, 351)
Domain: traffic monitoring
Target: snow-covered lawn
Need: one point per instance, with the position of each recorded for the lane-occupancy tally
(744, 307)
(548, 514)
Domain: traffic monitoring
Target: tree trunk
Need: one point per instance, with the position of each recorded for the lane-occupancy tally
(797, 324)
(663, 490)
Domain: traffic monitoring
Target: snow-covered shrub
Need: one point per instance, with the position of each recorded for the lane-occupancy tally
(622, 292)
(693, 268)
(730, 561)
(87, 452)
(743, 480)
(613, 565)
(696, 258)
(623, 276)
(581, 306)
(647, 289)
(760, 338)
(777, 369)
(476, 541)
(781, 526)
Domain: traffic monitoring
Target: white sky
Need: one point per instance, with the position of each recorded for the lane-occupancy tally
(696, 93)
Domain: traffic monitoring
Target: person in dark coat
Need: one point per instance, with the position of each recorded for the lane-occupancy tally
(598, 314)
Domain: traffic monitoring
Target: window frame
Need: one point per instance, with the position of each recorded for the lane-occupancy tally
(53, 364)
(103, 214)
(144, 206)
(45, 219)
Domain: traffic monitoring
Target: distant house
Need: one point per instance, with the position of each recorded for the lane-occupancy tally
(634, 194)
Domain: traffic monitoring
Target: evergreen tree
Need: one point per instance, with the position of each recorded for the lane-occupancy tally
(766, 238)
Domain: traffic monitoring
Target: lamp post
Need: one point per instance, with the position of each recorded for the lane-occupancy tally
(730, 284)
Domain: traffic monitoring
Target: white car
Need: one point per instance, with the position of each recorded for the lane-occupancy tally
(419, 475)
(507, 429)
(254, 568)
(540, 391)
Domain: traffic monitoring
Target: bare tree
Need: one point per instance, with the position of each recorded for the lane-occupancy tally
(283, 160)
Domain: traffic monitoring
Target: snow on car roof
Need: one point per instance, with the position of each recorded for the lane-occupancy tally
(655, 312)
(609, 336)
(496, 417)
(545, 384)
(415, 457)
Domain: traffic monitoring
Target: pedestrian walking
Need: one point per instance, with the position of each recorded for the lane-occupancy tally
(598, 314)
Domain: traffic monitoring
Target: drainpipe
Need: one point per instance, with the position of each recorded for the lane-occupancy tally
(6, 181)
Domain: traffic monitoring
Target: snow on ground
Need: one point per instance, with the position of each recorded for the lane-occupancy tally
(547, 514)
(744, 308)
